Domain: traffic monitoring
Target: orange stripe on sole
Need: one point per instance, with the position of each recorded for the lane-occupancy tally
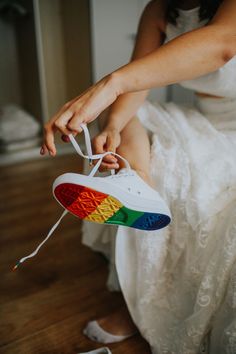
(79, 200)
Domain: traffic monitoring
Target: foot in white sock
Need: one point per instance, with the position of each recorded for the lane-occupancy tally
(114, 328)
(98, 351)
(96, 333)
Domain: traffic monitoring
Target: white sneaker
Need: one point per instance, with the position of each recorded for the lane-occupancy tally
(122, 199)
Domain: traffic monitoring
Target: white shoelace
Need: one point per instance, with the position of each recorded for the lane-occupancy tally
(90, 157)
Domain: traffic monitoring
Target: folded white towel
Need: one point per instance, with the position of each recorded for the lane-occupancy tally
(16, 124)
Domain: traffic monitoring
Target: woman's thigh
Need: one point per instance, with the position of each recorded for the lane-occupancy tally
(135, 145)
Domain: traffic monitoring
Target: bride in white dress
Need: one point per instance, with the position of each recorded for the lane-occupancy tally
(179, 283)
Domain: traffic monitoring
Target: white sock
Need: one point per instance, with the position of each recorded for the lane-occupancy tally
(96, 333)
(98, 351)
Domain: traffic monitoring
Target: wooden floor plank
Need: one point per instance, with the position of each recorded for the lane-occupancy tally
(46, 303)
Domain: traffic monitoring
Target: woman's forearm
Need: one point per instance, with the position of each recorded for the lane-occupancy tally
(124, 108)
(189, 56)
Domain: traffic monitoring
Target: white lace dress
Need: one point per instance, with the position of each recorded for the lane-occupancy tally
(180, 282)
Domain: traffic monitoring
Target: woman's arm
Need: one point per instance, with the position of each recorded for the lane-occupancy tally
(186, 57)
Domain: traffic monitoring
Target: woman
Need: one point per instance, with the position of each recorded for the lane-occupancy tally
(178, 283)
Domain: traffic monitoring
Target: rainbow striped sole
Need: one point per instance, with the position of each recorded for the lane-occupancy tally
(92, 205)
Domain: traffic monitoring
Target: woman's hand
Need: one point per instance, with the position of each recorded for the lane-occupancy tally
(107, 140)
(82, 109)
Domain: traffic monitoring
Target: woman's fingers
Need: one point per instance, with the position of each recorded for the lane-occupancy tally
(75, 123)
(110, 159)
(43, 150)
(65, 138)
(82, 109)
(98, 143)
(108, 166)
(108, 162)
(49, 140)
(102, 143)
(49, 131)
(62, 122)
(111, 143)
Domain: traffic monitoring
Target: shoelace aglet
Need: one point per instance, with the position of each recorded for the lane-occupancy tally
(16, 266)
(90, 162)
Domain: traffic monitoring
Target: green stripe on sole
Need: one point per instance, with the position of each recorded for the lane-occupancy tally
(124, 216)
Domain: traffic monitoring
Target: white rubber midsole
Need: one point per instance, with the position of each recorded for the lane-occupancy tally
(128, 200)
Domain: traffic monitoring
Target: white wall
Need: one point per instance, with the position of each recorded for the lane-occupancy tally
(114, 25)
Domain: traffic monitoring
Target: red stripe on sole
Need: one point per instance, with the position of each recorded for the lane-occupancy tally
(79, 200)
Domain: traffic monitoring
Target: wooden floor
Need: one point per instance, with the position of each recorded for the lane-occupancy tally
(45, 304)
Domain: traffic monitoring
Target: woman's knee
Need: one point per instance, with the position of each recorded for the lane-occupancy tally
(133, 130)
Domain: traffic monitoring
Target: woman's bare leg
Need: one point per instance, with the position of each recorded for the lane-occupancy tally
(135, 147)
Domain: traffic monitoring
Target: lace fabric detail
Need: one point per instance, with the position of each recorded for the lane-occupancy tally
(180, 286)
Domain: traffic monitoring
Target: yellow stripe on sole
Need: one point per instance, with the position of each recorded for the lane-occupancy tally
(105, 210)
